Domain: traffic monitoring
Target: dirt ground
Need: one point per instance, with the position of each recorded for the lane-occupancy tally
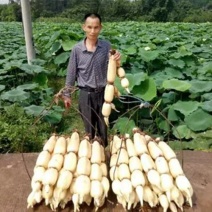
(16, 169)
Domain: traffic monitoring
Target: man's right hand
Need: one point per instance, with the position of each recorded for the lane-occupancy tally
(67, 101)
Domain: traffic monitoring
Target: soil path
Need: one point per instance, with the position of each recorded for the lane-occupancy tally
(15, 184)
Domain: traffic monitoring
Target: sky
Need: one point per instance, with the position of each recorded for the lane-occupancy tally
(4, 1)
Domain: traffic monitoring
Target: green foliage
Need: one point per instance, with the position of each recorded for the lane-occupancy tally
(167, 64)
(112, 10)
(202, 142)
(21, 83)
(203, 16)
(54, 20)
(124, 125)
(176, 84)
(156, 63)
(18, 134)
(12, 12)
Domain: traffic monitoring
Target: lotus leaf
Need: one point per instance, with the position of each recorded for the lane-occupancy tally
(55, 47)
(186, 107)
(198, 86)
(2, 87)
(148, 55)
(68, 45)
(28, 86)
(199, 120)
(172, 115)
(177, 63)
(146, 90)
(207, 105)
(124, 125)
(35, 110)
(176, 84)
(62, 58)
(182, 131)
(15, 95)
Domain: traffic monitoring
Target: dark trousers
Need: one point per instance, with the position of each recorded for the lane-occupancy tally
(90, 106)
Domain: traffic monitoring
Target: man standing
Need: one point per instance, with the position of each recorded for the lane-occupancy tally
(88, 66)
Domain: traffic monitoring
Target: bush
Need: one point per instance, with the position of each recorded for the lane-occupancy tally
(203, 16)
(18, 134)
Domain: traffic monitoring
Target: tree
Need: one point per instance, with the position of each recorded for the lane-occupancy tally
(182, 9)
(158, 10)
(10, 12)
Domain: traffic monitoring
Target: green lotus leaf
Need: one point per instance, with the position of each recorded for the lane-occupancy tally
(15, 95)
(146, 90)
(62, 58)
(164, 125)
(207, 105)
(32, 69)
(206, 134)
(3, 71)
(139, 77)
(176, 84)
(198, 86)
(148, 55)
(159, 77)
(28, 86)
(55, 34)
(166, 74)
(2, 87)
(35, 110)
(130, 50)
(207, 96)
(184, 51)
(182, 131)
(206, 68)
(124, 125)
(75, 35)
(199, 120)
(172, 115)
(53, 117)
(173, 73)
(68, 45)
(55, 47)
(186, 107)
(169, 97)
(176, 63)
(189, 61)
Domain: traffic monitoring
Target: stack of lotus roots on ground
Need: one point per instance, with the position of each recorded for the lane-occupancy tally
(144, 169)
(70, 169)
(141, 171)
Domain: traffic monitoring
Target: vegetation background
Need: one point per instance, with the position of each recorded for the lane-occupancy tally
(113, 10)
(179, 48)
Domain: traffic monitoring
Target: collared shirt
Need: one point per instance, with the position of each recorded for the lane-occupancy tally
(88, 68)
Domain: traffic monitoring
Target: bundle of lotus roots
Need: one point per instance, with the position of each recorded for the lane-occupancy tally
(70, 169)
(143, 169)
(114, 70)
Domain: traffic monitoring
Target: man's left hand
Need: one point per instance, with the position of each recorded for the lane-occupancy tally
(117, 56)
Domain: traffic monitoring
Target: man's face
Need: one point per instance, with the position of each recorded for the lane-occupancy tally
(92, 28)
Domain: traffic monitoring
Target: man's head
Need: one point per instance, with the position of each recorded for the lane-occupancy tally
(93, 15)
(92, 25)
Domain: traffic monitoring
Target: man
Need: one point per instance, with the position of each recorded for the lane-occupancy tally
(88, 66)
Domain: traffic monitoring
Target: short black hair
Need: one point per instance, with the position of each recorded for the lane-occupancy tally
(93, 15)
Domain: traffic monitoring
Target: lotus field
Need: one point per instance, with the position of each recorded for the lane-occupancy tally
(169, 66)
